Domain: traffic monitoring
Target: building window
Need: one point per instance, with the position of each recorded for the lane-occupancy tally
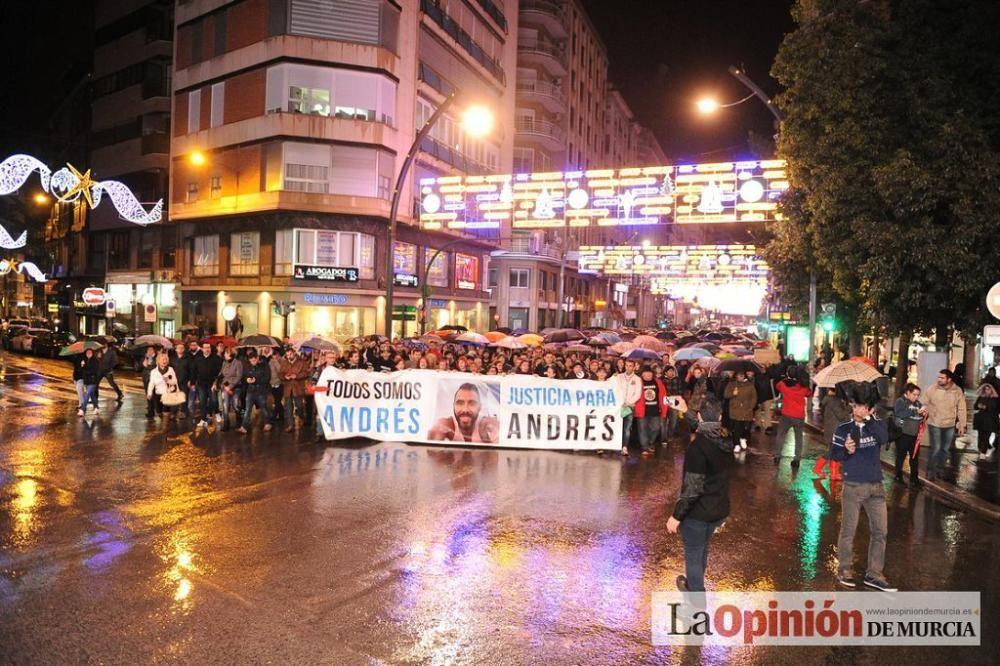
(215, 187)
(194, 111)
(168, 248)
(244, 253)
(336, 249)
(145, 249)
(308, 100)
(519, 277)
(205, 256)
(218, 103)
(437, 273)
(284, 244)
(491, 278)
(118, 251)
(404, 258)
(307, 178)
(328, 91)
(192, 192)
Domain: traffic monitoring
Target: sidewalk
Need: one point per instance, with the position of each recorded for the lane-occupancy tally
(970, 484)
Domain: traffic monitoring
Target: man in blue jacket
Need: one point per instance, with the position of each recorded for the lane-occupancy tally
(856, 444)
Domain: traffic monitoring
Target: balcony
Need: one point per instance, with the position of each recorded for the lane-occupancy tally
(545, 13)
(542, 132)
(546, 54)
(463, 39)
(158, 143)
(549, 95)
(439, 151)
(531, 245)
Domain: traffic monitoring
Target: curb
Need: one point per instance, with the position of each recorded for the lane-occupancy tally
(964, 500)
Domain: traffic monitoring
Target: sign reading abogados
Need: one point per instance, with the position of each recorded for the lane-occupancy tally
(426, 406)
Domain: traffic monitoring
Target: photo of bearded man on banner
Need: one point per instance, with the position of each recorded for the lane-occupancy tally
(467, 414)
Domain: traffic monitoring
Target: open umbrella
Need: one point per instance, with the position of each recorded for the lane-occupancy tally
(597, 341)
(431, 339)
(189, 327)
(710, 346)
(318, 343)
(453, 327)
(646, 342)
(565, 335)
(578, 348)
(412, 343)
(863, 359)
(471, 338)
(531, 339)
(691, 354)
(843, 371)
(707, 362)
(504, 330)
(509, 343)
(519, 331)
(622, 347)
(79, 347)
(493, 336)
(736, 365)
(259, 341)
(152, 341)
(216, 339)
(639, 354)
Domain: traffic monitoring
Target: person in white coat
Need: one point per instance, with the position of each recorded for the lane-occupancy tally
(162, 380)
(631, 389)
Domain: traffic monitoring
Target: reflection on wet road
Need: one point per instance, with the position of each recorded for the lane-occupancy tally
(120, 543)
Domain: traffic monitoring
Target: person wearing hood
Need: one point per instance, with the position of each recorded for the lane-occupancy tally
(986, 419)
(704, 501)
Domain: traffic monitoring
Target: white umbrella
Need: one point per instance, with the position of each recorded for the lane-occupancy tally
(152, 341)
(472, 338)
(509, 343)
(318, 343)
(843, 371)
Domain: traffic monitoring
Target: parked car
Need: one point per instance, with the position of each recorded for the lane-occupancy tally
(24, 341)
(12, 332)
(40, 323)
(49, 343)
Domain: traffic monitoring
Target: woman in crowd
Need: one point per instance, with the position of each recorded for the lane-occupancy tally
(230, 386)
(90, 373)
(162, 380)
(986, 420)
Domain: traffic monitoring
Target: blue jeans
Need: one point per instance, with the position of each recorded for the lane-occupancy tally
(206, 396)
(696, 535)
(89, 395)
(256, 399)
(941, 439)
(627, 429)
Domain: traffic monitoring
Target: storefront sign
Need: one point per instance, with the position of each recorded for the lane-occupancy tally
(512, 411)
(404, 280)
(326, 273)
(140, 277)
(438, 303)
(324, 299)
(466, 271)
(149, 314)
(94, 296)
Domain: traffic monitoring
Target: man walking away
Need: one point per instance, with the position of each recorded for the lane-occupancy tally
(704, 500)
(946, 407)
(793, 412)
(856, 444)
(675, 389)
(109, 361)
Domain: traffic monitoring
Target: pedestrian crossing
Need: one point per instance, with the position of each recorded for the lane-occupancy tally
(24, 385)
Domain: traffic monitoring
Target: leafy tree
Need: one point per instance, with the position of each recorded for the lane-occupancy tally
(892, 149)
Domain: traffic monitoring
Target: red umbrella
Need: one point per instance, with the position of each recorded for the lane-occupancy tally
(216, 339)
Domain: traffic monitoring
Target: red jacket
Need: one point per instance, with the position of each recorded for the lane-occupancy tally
(661, 397)
(793, 399)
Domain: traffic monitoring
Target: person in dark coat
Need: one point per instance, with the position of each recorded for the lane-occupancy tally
(90, 373)
(109, 361)
(257, 380)
(986, 419)
(835, 411)
(704, 501)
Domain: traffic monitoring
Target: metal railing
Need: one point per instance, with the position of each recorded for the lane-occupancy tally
(540, 88)
(539, 127)
(545, 6)
(542, 46)
(451, 27)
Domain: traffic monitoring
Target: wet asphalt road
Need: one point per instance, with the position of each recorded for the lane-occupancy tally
(120, 543)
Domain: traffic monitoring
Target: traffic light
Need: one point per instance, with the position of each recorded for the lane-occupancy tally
(829, 326)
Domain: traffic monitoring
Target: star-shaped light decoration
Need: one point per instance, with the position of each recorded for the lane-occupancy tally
(83, 186)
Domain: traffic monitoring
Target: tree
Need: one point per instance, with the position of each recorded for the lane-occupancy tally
(893, 152)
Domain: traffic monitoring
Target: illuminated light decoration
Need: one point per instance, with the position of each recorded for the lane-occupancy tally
(751, 191)
(22, 267)
(8, 243)
(723, 192)
(69, 184)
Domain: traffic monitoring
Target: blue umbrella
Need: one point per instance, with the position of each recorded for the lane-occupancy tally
(691, 354)
(639, 354)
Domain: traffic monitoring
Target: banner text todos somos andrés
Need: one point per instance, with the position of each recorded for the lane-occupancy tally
(428, 406)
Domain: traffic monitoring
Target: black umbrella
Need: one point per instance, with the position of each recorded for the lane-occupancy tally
(504, 329)
(453, 327)
(666, 335)
(565, 335)
(737, 365)
(259, 341)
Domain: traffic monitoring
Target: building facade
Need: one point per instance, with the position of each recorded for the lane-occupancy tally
(291, 120)
(568, 117)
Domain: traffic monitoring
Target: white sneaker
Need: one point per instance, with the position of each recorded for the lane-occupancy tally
(218, 418)
(202, 423)
(79, 412)
(97, 412)
(624, 450)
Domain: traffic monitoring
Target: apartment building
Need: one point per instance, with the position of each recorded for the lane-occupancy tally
(127, 139)
(568, 117)
(291, 120)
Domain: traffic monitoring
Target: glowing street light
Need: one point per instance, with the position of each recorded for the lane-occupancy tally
(707, 105)
(41, 199)
(477, 121)
(197, 158)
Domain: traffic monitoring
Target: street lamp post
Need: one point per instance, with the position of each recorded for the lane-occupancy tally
(476, 123)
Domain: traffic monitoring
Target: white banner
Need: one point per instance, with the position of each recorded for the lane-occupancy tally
(512, 411)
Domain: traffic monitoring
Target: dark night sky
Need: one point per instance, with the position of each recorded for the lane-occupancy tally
(664, 54)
